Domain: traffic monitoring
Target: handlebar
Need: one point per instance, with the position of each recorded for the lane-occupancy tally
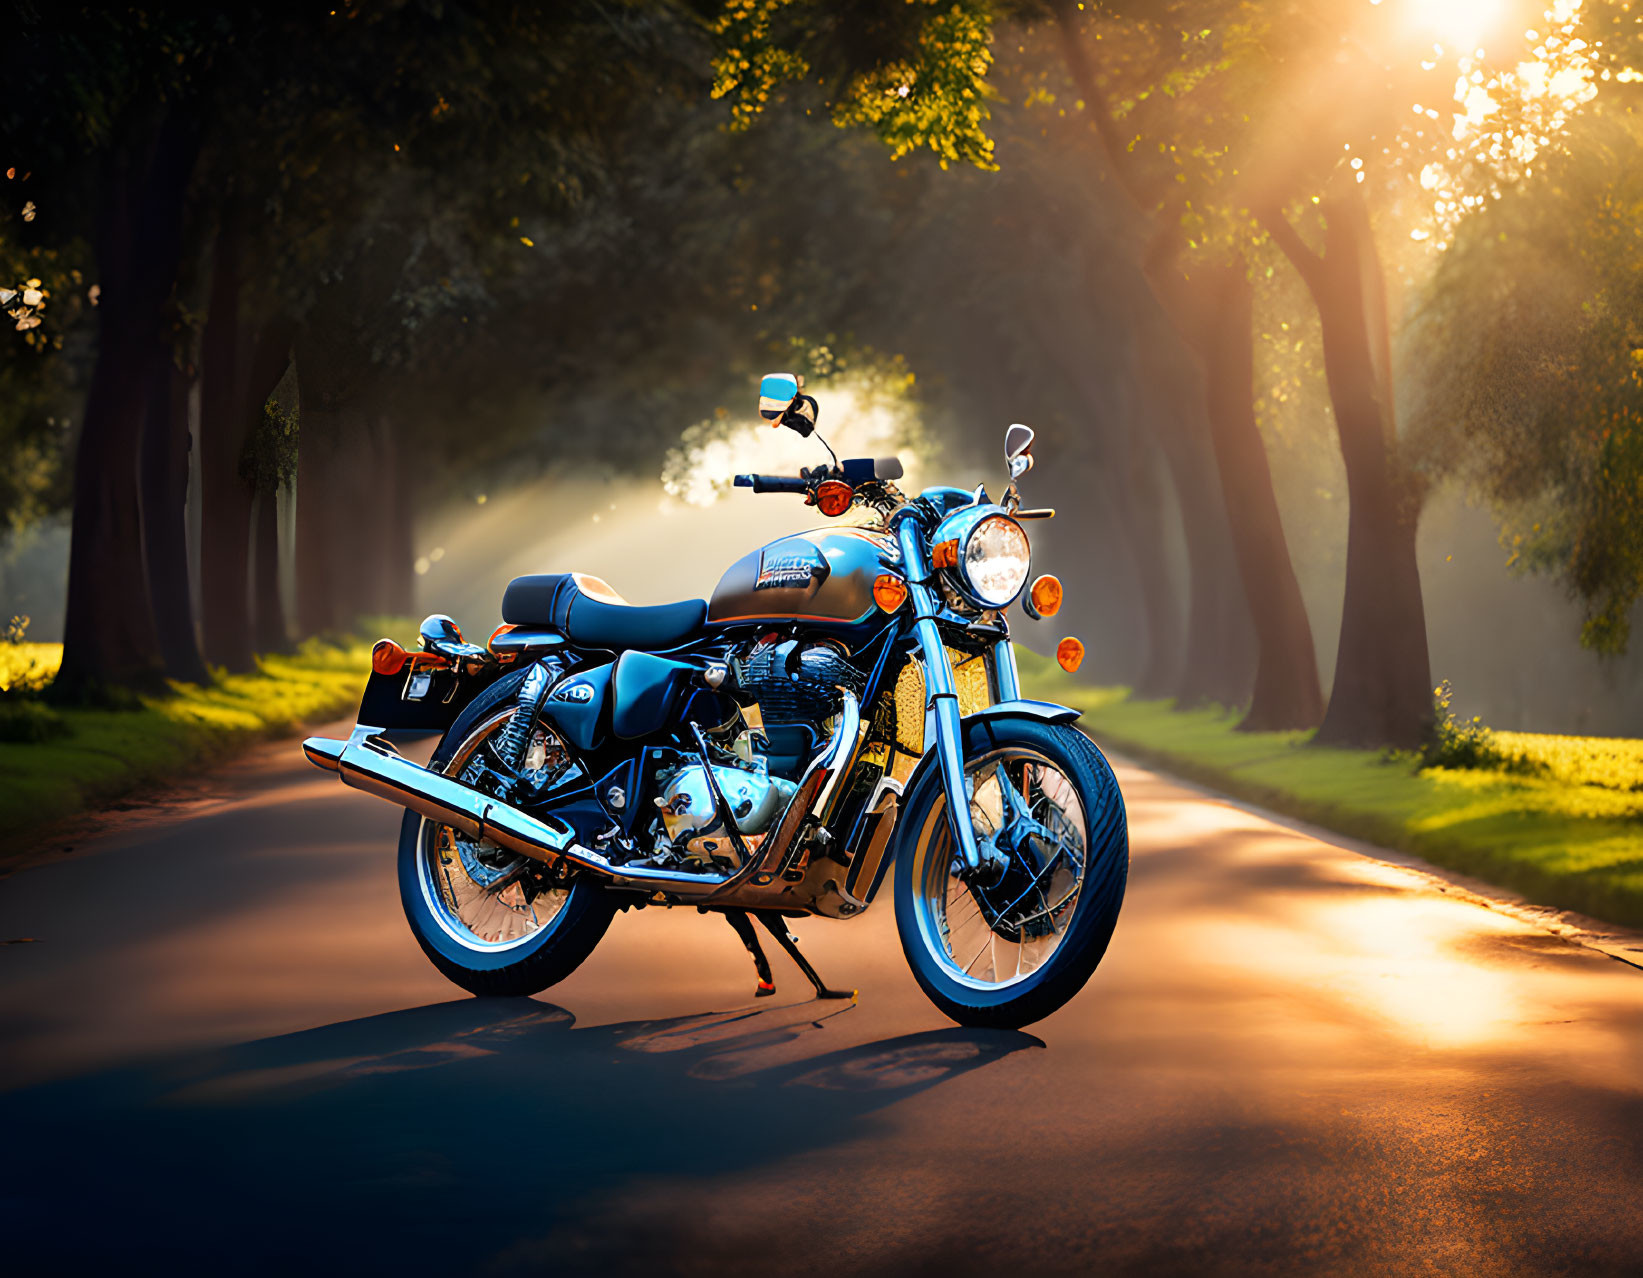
(773, 483)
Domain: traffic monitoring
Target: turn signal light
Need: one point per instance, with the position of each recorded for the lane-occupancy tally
(834, 497)
(944, 554)
(387, 657)
(889, 592)
(1070, 654)
(1046, 595)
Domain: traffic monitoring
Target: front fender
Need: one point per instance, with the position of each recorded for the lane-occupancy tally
(1043, 711)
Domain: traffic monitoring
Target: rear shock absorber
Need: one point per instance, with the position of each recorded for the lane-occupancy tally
(514, 740)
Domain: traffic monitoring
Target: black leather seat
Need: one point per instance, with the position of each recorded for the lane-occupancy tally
(587, 611)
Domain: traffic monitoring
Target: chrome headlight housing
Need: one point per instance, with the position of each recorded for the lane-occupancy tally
(986, 555)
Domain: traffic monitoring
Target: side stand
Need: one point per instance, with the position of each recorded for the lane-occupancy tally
(738, 920)
(777, 927)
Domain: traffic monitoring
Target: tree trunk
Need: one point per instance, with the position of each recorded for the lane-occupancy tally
(361, 524)
(108, 629)
(1283, 640)
(165, 509)
(319, 550)
(243, 363)
(225, 500)
(1383, 672)
(399, 588)
(1382, 695)
(268, 610)
(1140, 509)
(1287, 692)
(1218, 661)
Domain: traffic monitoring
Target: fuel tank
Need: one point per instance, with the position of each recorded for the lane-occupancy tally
(823, 576)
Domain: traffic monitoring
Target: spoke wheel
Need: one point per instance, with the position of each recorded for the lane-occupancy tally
(494, 922)
(482, 895)
(1011, 942)
(994, 935)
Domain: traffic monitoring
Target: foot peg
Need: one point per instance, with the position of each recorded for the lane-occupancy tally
(777, 927)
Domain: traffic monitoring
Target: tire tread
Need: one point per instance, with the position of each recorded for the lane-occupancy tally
(1075, 961)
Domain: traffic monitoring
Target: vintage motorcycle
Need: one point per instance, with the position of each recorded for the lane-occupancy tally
(845, 703)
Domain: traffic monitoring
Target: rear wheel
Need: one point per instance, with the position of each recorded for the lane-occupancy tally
(1009, 947)
(494, 922)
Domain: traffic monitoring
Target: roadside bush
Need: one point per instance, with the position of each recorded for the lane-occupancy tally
(1452, 743)
(26, 720)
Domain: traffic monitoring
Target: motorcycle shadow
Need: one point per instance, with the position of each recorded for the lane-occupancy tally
(388, 1137)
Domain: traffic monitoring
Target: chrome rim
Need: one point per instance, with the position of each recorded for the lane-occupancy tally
(992, 936)
(482, 896)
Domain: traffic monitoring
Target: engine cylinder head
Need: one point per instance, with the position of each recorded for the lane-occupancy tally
(796, 682)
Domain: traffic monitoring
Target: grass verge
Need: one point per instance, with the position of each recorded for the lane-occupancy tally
(1568, 833)
(85, 757)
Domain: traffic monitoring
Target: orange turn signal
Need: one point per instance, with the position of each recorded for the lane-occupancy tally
(1070, 654)
(387, 657)
(834, 496)
(944, 554)
(1046, 595)
(889, 592)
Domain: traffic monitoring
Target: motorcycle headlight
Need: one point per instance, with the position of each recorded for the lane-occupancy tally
(995, 560)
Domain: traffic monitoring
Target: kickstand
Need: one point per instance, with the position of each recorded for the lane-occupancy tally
(777, 926)
(738, 920)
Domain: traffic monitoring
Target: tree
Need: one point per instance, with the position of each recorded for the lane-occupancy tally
(919, 76)
(1527, 364)
(272, 128)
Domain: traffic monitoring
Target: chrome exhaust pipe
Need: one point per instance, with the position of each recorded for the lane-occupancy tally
(373, 766)
(819, 790)
(367, 763)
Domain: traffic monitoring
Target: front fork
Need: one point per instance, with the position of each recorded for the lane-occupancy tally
(942, 693)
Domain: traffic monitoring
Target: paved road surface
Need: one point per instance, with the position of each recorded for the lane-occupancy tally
(225, 1050)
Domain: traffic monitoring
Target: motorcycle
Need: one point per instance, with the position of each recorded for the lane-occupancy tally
(845, 706)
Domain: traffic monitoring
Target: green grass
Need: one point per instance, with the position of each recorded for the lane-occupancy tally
(1566, 832)
(97, 756)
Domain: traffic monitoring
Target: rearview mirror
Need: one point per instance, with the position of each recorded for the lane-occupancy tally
(783, 403)
(776, 395)
(1018, 449)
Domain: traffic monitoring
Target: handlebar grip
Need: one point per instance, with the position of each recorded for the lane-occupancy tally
(772, 483)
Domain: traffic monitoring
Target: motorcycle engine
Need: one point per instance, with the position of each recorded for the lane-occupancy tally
(796, 682)
(796, 687)
(691, 820)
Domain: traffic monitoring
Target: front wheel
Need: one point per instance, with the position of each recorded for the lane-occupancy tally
(1009, 947)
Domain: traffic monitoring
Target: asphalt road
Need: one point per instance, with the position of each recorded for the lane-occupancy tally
(223, 1049)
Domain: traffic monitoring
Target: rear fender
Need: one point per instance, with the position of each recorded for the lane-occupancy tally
(421, 701)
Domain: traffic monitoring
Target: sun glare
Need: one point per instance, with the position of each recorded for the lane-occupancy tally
(1509, 104)
(1455, 24)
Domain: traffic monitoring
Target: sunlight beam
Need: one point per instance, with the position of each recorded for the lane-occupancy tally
(1455, 24)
